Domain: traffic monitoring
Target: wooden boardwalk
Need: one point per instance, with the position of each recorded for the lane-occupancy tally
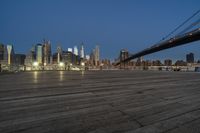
(100, 102)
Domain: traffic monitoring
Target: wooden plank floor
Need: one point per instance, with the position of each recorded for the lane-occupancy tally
(100, 102)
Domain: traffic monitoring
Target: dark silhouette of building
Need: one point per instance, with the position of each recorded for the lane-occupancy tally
(55, 58)
(30, 57)
(67, 57)
(190, 58)
(157, 63)
(168, 62)
(2, 50)
(20, 59)
(180, 63)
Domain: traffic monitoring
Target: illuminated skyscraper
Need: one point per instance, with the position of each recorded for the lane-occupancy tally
(75, 56)
(10, 54)
(82, 51)
(59, 54)
(47, 52)
(69, 50)
(39, 54)
(75, 50)
(87, 57)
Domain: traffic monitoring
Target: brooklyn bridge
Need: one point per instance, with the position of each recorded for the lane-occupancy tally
(184, 37)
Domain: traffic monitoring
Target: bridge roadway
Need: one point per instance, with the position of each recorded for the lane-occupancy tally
(100, 102)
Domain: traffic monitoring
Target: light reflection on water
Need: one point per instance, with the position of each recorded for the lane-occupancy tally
(61, 75)
(82, 73)
(35, 76)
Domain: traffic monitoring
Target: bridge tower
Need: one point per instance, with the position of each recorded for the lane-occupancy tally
(124, 55)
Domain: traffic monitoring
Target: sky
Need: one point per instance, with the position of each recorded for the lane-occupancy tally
(112, 24)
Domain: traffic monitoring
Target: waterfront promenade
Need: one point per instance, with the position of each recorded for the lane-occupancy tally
(100, 102)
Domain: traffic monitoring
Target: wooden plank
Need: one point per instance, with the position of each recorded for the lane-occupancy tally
(99, 101)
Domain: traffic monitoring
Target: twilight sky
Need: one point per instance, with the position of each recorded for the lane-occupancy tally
(112, 24)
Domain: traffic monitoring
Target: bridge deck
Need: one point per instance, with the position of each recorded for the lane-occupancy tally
(100, 102)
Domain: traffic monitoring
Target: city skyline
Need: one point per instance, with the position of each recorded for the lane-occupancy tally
(77, 50)
(113, 25)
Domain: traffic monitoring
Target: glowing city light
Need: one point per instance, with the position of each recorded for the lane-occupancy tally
(61, 64)
(82, 64)
(35, 64)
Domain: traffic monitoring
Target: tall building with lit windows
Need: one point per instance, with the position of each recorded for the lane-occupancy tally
(47, 52)
(7, 54)
(39, 54)
(59, 54)
(75, 56)
(10, 54)
(82, 53)
(75, 50)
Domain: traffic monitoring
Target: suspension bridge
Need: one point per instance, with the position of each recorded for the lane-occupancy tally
(184, 37)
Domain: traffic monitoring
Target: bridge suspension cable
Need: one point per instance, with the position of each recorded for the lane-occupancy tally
(190, 27)
(182, 24)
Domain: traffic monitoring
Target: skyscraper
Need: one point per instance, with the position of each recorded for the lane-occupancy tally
(10, 54)
(190, 58)
(30, 57)
(82, 51)
(1, 52)
(87, 57)
(75, 50)
(96, 55)
(69, 50)
(47, 52)
(59, 54)
(75, 56)
(92, 58)
(39, 54)
(67, 57)
(19, 59)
